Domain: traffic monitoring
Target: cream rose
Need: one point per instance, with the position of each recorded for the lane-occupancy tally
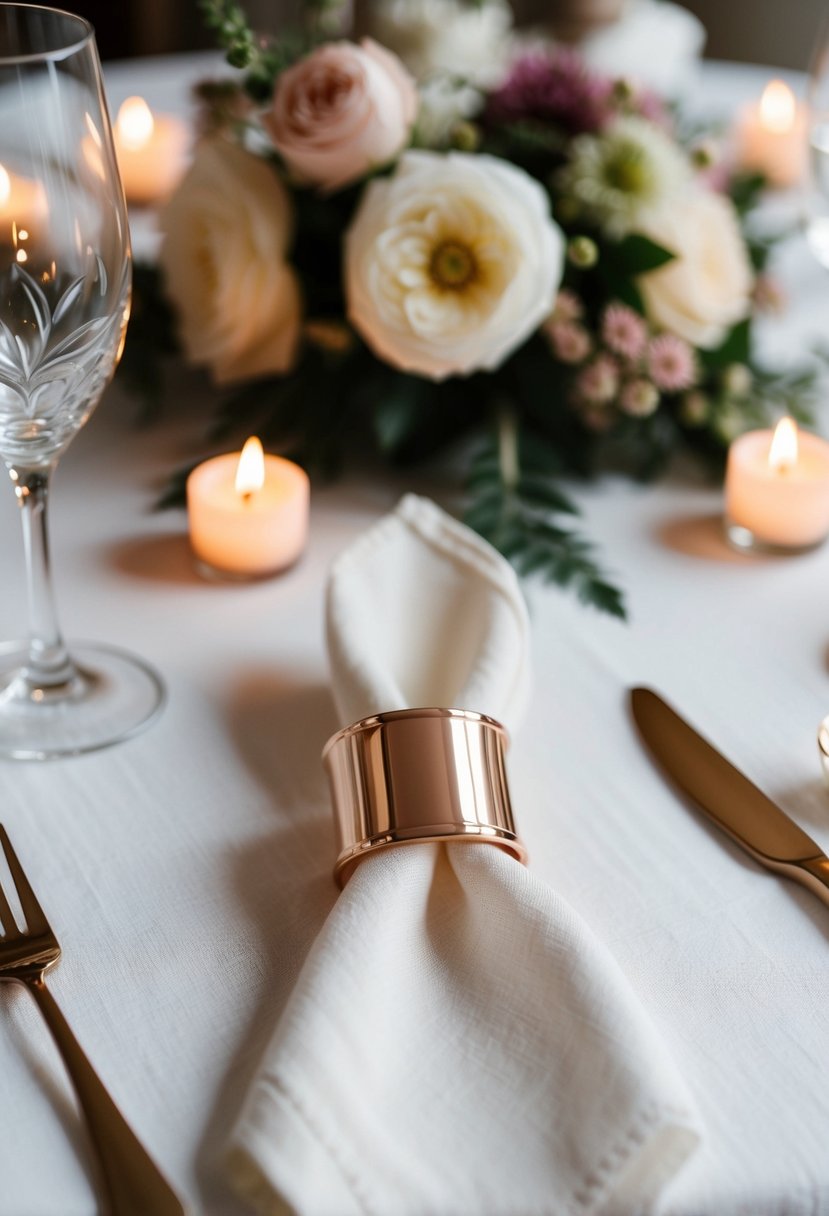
(451, 263)
(227, 230)
(706, 290)
(341, 112)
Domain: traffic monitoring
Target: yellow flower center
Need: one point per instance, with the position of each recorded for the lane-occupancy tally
(453, 266)
(625, 171)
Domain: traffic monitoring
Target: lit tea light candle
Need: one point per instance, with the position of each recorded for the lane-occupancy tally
(777, 489)
(248, 512)
(771, 136)
(151, 150)
(22, 210)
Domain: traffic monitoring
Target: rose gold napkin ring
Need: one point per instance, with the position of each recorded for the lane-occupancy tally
(416, 775)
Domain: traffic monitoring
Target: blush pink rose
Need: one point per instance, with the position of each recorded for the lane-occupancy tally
(342, 111)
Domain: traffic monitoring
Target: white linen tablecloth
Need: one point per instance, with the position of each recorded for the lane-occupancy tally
(188, 871)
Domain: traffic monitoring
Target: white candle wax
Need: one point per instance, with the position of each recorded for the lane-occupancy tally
(151, 149)
(247, 534)
(787, 506)
(771, 136)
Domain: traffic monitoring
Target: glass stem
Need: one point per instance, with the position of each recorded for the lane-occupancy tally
(49, 666)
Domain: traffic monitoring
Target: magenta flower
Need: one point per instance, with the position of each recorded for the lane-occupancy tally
(553, 87)
(624, 332)
(671, 363)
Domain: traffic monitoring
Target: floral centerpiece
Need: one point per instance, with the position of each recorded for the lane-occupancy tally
(504, 252)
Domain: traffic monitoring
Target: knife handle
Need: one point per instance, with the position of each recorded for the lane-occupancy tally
(813, 873)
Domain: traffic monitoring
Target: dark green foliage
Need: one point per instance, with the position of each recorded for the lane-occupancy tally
(151, 340)
(520, 518)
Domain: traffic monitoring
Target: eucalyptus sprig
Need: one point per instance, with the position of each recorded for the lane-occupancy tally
(515, 505)
(233, 33)
(261, 59)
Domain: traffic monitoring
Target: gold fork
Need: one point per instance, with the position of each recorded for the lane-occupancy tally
(131, 1181)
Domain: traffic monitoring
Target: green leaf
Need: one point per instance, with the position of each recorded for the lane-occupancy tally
(637, 254)
(542, 492)
(735, 349)
(746, 190)
(150, 340)
(620, 285)
(175, 492)
(521, 521)
(399, 411)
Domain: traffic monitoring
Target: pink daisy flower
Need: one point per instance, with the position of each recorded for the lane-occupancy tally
(624, 331)
(598, 383)
(671, 363)
(568, 306)
(571, 343)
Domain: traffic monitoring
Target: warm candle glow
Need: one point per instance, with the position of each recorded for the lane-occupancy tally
(783, 450)
(778, 107)
(250, 473)
(134, 124)
(152, 151)
(22, 208)
(247, 512)
(777, 489)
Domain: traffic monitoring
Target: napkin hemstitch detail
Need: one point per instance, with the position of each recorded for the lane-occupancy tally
(621, 1151)
(284, 1091)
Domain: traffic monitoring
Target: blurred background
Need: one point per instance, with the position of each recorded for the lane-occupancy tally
(778, 32)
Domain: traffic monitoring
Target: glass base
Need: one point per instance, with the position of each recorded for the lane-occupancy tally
(112, 696)
(743, 539)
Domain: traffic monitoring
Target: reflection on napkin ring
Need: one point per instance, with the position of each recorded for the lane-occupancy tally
(415, 775)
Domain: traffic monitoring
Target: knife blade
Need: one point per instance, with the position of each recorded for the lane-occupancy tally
(727, 797)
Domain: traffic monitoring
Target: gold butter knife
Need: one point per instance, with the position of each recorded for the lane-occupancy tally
(727, 797)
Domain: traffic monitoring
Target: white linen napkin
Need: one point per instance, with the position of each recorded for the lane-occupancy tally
(458, 1043)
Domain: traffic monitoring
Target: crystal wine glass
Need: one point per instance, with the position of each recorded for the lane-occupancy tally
(817, 202)
(65, 281)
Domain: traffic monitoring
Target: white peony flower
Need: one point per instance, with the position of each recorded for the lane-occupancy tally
(468, 41)
(451, 263)
(443, 104)
(707, 288)
(613, 177)
(227, 230)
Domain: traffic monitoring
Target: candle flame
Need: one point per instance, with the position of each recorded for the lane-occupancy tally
(5, 185)
(134, 124)
(783, 450)
(778, 107)
(250, 472)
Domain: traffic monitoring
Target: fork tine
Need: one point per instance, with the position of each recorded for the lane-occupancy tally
(36, 921)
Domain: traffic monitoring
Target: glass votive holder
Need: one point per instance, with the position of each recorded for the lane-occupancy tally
(777, 491)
